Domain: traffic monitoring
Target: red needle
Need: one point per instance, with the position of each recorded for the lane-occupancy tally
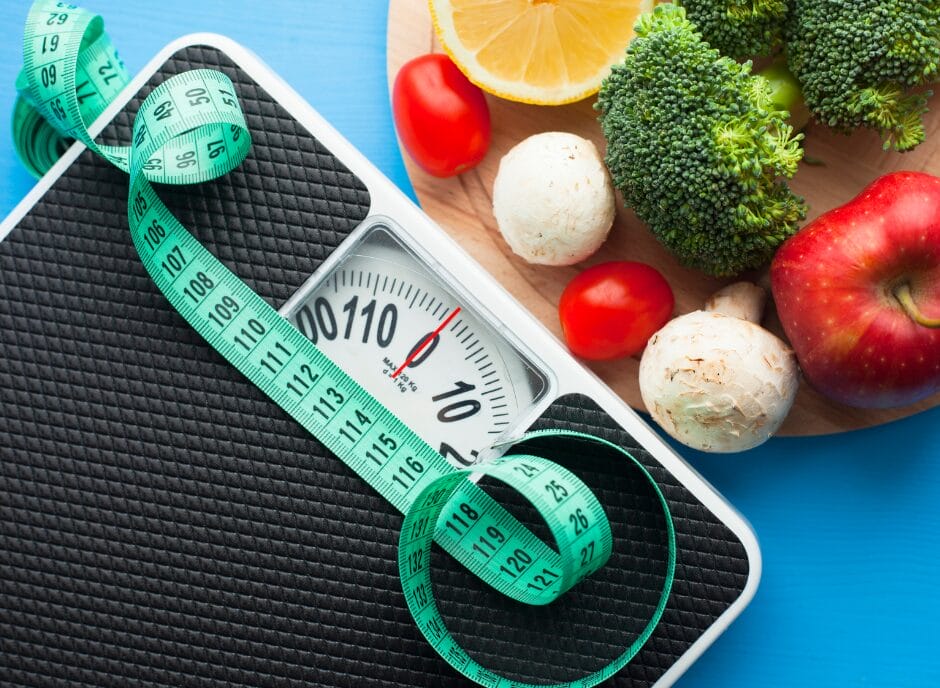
(427, 340)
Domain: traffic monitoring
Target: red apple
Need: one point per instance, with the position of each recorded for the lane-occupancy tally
(858, 293)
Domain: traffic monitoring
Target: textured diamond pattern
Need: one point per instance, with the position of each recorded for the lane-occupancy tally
(163, 524)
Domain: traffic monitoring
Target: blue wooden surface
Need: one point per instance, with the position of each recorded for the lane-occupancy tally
(849, 525)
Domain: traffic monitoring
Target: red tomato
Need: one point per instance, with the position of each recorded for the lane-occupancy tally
(612, 309)
(442, 119)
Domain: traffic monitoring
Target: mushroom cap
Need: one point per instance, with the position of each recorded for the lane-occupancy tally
(718, 383)
(553, 199)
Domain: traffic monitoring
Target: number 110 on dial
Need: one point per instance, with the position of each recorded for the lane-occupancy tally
(400, 329)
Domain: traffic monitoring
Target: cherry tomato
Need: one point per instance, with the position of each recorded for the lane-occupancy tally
(442, 119)
(612, 309)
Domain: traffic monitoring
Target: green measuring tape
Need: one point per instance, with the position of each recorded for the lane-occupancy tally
(92, 65)
(191, 129)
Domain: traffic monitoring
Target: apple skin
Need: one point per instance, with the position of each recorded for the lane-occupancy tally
(834, 284)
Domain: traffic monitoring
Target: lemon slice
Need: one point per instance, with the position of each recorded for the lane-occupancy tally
(545, 52)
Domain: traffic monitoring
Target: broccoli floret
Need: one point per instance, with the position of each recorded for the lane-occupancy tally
(860, 61)
(698, 149)
(740, 28)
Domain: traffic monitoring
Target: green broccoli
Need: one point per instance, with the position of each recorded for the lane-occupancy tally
(698, 146)
(739, 28)
(859, 62)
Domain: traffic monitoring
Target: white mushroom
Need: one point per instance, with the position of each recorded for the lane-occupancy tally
(553, 199)
(717, 381)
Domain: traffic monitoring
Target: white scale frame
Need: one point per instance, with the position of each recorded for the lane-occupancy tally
(566, 375)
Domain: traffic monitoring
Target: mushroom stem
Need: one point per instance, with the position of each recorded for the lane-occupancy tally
(742, 300)
(904, 296)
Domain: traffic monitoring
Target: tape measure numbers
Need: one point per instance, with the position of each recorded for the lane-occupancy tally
(191, 129)
(414, 554)
(98, 76)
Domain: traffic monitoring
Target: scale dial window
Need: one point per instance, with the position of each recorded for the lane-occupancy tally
(398, 325)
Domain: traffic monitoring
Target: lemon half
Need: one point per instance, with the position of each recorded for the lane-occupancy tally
(545, 52)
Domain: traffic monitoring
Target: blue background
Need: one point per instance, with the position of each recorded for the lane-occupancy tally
(848, 524)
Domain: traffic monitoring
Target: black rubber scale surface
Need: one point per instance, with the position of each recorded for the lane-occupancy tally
(163, 524)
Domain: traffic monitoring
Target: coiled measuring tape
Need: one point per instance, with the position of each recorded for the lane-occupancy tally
(190, 129)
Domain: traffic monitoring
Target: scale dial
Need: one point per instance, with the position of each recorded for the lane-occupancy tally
(399, 327)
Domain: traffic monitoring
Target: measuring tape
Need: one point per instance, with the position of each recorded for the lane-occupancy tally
(92, 66)
(191, 129)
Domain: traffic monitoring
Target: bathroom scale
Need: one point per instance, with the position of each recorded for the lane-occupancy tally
(164, 523)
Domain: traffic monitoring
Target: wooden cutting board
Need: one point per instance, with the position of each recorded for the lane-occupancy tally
(463, 208)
